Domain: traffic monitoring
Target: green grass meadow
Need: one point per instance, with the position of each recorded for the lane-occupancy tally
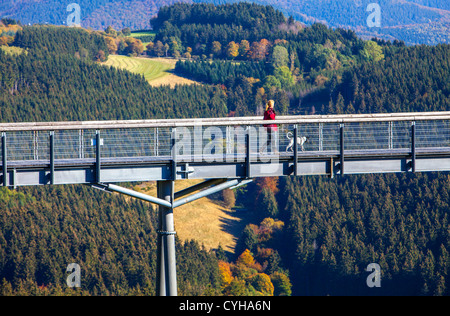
(149, 68)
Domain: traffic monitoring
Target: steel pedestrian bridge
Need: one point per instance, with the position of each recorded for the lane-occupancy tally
(225, 152)
(221, 148)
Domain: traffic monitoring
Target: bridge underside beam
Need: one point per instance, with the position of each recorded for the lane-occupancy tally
(21, 175)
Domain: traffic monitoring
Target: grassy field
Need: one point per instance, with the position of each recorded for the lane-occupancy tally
(145, 66)
(142, 33)
(145, 36)
(146, 33)
(157, 71)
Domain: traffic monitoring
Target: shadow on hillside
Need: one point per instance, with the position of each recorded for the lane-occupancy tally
(234, 226)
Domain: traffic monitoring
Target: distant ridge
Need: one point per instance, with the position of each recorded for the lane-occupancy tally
(412, 21)
(97, 14)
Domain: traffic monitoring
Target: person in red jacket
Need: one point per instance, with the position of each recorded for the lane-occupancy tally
(272, 129)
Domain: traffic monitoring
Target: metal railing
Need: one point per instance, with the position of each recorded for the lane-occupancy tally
(201, 139)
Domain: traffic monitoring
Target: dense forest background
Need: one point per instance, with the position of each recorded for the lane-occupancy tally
(97, 14)
(412, 21)
(307, 235)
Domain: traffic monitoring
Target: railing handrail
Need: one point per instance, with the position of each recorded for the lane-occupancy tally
(224, 121)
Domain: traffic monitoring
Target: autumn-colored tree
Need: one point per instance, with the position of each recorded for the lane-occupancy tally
(232, 50)
(159, 49)
(262, 283)
(6, 40)
(247, 265)
(320, 80)
(112, 44)
(133, 46)
(259, 50)
(100, 57)
(269, 226)
(225, 273)
(175, 46)
(260, 101)
(246, 258)
(333, 62)
(267, 182)
(263, 254)
(3, 41)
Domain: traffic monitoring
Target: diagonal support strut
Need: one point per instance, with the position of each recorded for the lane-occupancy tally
(209, 191)
(221, 184)
(166, 261)
(132, 193)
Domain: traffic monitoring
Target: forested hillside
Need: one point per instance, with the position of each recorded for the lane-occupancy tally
(64, 85)
(409, 79)
(307, 235)
(412, 21)
(337, 227)
(48, 40)
(297, 59)
(42, 230)
(97, 14)
(113, 239)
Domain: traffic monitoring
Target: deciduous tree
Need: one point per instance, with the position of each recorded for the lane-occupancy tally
(280, 56)
(216, 48)
(259, 50)
(225, 273)
(232, 50)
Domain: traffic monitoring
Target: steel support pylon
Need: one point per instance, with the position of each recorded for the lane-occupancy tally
(166, 275)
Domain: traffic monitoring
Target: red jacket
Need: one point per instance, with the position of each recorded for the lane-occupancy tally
(270, 115)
